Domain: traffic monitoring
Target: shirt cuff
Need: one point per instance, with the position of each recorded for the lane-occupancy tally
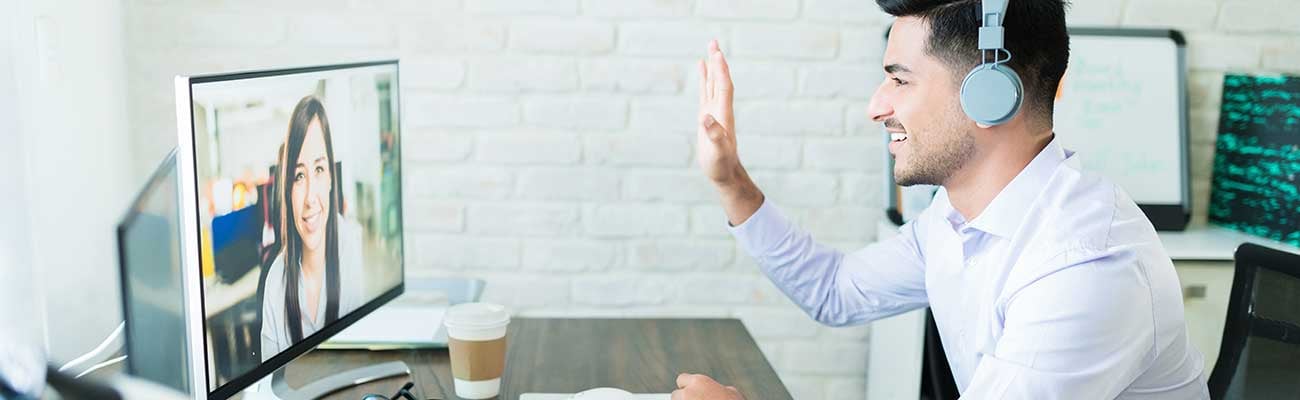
(763, 231)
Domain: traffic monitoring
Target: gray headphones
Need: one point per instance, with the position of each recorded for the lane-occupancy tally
(992, 93)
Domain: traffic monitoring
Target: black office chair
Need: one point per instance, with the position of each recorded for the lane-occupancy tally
(937, 382)
(1260, 354)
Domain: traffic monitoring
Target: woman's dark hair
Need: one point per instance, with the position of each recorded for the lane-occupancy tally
(1036, 36)
(308, 109)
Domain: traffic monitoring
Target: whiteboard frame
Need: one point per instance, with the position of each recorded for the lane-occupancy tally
(1165, 217)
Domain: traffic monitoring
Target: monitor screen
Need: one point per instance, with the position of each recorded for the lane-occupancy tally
(298, 189)
(148, 240)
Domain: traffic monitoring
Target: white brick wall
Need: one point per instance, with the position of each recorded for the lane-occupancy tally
(568, 183)
(748, 9)
(515, 218)
(582, 113)
(523, 74)
(680, 255)
(523, 7)
(528, 148)
(550, 144)
(637, 9)
(562, 36)
(461, 111)
(788, 41)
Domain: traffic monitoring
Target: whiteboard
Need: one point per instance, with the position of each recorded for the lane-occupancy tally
(1122, 107)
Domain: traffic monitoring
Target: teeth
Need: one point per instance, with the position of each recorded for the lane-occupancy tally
(897, 136)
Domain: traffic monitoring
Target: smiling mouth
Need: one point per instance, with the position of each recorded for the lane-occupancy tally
(311, 220)
(897, 136)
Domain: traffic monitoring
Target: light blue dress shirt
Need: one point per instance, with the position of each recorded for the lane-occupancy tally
(1060, 289)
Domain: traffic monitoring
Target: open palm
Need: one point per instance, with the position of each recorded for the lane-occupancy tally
(716, 139)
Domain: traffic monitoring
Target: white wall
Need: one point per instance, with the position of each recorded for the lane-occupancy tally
(549, 143)
(67, 136)
(22, 328)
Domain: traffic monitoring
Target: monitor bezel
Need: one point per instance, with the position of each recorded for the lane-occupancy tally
(191, 230)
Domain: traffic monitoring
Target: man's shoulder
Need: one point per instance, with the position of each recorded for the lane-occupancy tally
(1086, 230)
(1085, 210)
(1082, 216)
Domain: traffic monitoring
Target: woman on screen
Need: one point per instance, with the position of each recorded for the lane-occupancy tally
(304, 290)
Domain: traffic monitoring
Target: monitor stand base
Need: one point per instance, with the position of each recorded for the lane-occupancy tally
(276, 387)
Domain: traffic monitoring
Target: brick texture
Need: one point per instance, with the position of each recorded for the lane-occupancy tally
(549, 144)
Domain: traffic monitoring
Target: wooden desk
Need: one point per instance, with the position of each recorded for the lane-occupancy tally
(571, 355)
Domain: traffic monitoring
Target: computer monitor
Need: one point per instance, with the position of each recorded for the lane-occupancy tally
(149, 251)
(290, 212)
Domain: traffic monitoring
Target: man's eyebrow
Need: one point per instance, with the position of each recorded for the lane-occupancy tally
(896, 68)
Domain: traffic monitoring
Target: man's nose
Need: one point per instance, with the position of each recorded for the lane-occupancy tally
(879, 108)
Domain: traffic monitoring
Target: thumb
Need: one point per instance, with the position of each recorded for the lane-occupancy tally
(712, 127)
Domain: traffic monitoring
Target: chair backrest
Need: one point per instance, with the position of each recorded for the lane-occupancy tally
(937, 382)
(1260, 354)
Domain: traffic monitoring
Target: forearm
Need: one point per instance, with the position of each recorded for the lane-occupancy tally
(833, 287)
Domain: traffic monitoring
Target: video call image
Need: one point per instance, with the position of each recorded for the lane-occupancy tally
(299, 206)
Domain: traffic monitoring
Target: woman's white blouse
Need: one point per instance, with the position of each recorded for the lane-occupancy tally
(275, 334)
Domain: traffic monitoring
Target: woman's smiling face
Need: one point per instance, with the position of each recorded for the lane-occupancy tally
(312, 180)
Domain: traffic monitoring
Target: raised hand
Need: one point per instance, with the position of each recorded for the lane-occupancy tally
(715, 140)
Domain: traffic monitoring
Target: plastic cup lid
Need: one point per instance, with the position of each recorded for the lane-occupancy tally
(603, 394)
(476, 315)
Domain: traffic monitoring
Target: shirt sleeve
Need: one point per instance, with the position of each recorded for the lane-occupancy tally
(883, 279)
(1082, 332)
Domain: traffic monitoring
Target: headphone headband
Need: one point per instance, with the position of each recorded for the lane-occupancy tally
(993, 12)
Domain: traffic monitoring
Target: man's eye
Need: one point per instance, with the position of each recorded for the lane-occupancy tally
(899, 82)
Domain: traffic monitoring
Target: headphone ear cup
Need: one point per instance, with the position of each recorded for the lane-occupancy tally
(991, 94)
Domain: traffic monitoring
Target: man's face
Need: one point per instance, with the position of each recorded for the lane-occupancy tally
(931, 138)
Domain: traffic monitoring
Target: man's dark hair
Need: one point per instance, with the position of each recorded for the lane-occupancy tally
(1035, 35)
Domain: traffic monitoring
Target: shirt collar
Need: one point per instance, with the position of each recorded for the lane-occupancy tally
(1004, 214)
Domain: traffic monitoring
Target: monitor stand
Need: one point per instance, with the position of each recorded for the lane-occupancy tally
(276, 387)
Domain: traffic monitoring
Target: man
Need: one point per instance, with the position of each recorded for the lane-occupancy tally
(1046, 282)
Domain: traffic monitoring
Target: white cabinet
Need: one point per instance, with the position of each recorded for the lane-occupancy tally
(1206, 286)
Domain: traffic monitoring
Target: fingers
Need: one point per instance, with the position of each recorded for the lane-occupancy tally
(684, 380)
(725, 75)
(715, 73)
(719, 73)
(715, 93)
(702, 386)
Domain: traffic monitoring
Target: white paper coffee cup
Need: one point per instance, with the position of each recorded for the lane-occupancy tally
(476, 335)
